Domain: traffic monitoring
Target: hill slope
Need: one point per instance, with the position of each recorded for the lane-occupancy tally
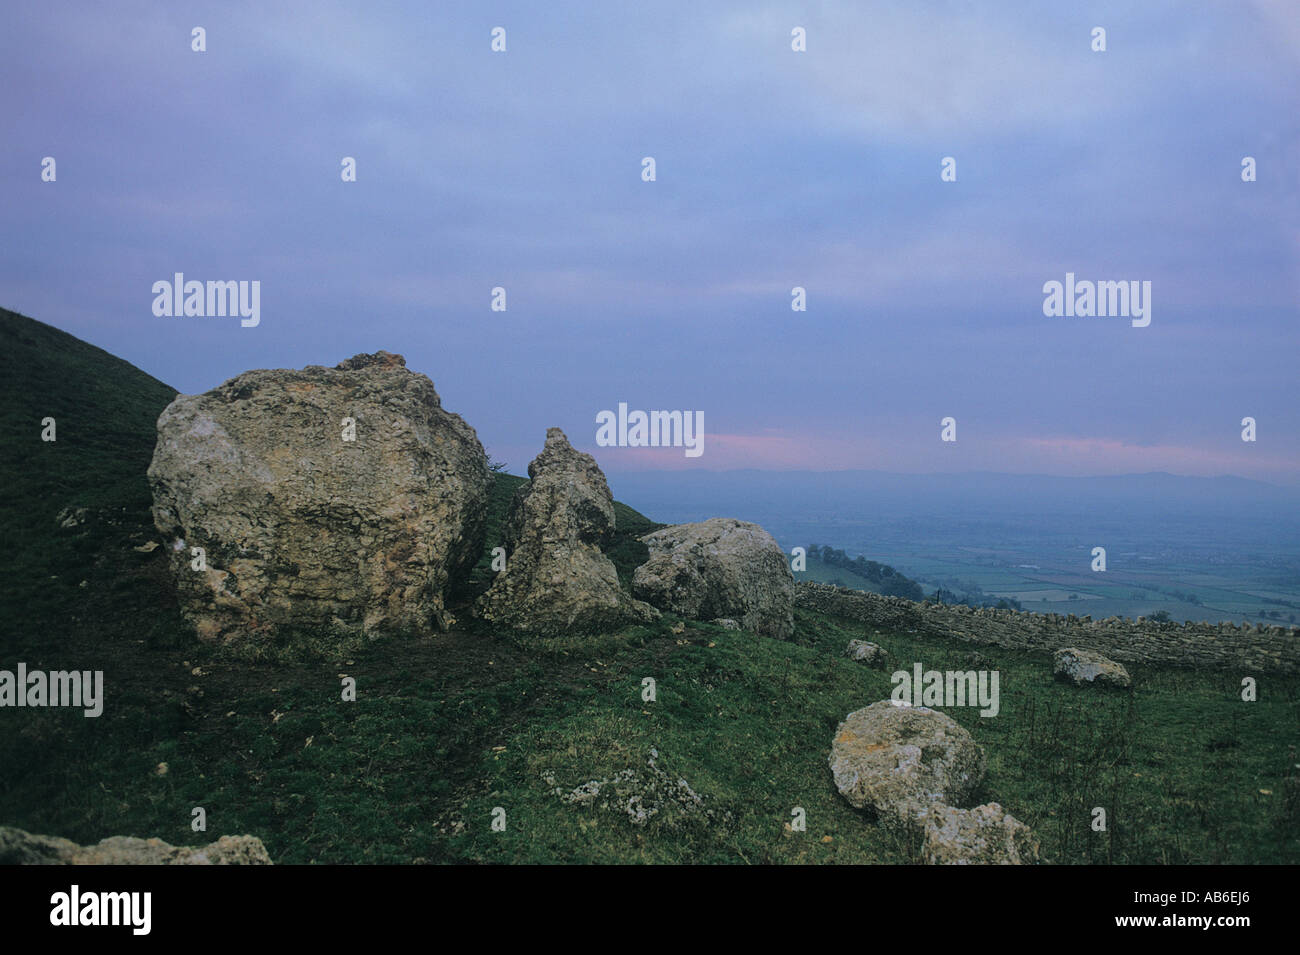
(92, 476)
(449, 727)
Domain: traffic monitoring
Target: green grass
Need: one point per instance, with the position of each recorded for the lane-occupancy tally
(448, 728)
(105, 412)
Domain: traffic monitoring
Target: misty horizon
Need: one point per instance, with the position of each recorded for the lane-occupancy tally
(982, 216)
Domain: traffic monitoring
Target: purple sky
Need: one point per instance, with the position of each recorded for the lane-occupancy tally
(775, 169)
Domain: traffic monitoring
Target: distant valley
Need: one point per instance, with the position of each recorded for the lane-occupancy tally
(1210, 549)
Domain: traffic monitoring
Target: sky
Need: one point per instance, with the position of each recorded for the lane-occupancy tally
(774, 168)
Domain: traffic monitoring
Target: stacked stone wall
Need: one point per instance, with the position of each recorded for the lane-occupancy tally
(1223, 646)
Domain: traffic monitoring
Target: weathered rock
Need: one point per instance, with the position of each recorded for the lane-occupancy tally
(719, 568)
(1082, 667)
(985, 835)
(726, 623)
(557, 580)
(304, 529)
(867, 652)
(643, 796)
(23, 848)
(900, 760)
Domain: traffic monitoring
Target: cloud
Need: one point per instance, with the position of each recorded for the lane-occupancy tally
(916, 72)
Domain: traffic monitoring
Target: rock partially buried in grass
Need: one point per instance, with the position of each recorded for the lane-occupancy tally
(719, 569)
(900, 760)
(23, 848)
(1087, 667)
(864, 651)
(985, 835)
(909, 764)
(643, 796)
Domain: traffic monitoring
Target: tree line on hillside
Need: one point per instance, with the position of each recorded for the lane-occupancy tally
(894, 584)
(890, 581)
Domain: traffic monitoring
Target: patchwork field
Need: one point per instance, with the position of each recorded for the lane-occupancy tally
(1127, 588)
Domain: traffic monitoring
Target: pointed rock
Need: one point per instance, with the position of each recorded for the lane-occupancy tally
(557, 579)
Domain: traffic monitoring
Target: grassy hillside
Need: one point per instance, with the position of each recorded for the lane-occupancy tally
(448, 728)
(92, 477)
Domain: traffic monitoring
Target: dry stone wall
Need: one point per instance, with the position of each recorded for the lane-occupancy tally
(1195, 645)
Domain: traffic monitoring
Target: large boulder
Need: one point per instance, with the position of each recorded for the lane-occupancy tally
(985, 835)
(719, 568)
(901, 760)
(343, 498)
(557, 579)
(23, 848)
(1087, 667)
